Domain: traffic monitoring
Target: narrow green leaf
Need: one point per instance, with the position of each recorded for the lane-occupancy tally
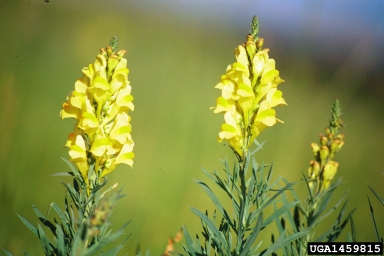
(113, 251)
(60, 244)
(43, 220)
(45, 243)
(190, 244)
(64, 174)
(29, 225)
(317, 217)
(7, 252)
(282, 241)
(252, 237)
(104, 241)
(353, 229)
(59, 212)
(73, 169)
(308, 187)
(277, 213)
(373, 220)
(218, 235)
(377, 195)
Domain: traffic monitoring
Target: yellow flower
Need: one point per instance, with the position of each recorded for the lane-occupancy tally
(248, 95)
(78, 153)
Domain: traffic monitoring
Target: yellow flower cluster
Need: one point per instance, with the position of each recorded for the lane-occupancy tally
(323, 170)
(249, 93)
(100, 104)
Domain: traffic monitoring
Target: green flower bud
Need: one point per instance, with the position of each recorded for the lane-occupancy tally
(259, 43)
(109, 50)
(313, 170)
(334, 147)
(251, 48)
(324, 152)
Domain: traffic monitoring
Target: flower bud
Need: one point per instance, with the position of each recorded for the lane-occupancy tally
(324, 152)
(329, 172)
(323, 140)
(251, 48)
(335, 145)
(315, 148)
(259, 43)
(121, 53)
(313, 170)
(109, 50)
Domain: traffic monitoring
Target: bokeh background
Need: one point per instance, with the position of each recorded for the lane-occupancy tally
(177, 51)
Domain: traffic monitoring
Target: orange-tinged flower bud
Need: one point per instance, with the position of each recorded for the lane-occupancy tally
(323, 140)
(315, 148)
(121, 53)
(260, 43)
(109, 50)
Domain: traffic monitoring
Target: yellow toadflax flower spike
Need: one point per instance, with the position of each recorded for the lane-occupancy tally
(248, 94)
(100, 104)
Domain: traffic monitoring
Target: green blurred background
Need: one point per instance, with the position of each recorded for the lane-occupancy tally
(177, 51)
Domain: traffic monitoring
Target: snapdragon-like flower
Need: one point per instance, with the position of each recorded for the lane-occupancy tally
(100, 103)
(248, 95)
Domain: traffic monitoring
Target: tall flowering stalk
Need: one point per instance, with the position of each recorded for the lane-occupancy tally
(100, 104)
(322, 170)
(101, 140)
(248, 96)
(311, 212)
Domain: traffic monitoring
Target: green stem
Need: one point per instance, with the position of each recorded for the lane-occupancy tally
(243, 164)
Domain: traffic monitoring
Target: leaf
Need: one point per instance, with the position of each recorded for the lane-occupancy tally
(377, 195)
(218, 235)
(43, 220)
(282, 241)
(215, 201)
(59, 212)
(104, 241)
(353, 229)
(374, 221)
(60, 244)
(73, 169)
(277, 213)
(29, 225)
(45, 243)
(190, 244)
(252, 237)
(317, 215)
(64, 174)
(7, 252)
